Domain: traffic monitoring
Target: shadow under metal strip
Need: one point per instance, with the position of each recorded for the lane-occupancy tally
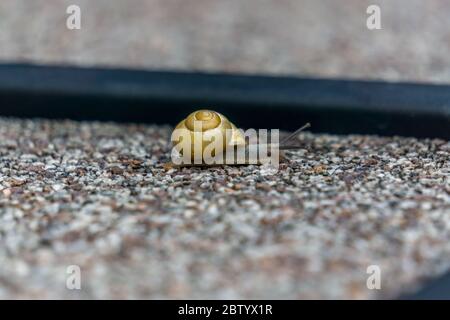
(334, 106)
(437, 289)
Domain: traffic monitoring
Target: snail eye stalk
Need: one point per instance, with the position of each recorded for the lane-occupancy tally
(295, 134)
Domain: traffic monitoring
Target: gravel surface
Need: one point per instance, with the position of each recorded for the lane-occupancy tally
(326, 38)
(97, 195)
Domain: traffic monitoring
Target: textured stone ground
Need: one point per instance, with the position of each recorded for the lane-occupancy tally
(97, 195)
(306, 37)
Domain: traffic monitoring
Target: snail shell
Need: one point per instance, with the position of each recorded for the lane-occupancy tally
(201, 125)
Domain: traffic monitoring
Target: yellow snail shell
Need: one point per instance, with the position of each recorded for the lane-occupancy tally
(211, 124)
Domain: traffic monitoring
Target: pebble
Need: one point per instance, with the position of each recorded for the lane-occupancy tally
(57, 187)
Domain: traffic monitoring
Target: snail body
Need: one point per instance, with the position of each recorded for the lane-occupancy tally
(207, 137)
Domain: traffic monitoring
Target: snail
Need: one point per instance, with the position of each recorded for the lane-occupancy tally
(207, 137)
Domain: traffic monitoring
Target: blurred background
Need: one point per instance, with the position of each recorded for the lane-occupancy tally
(325, 38)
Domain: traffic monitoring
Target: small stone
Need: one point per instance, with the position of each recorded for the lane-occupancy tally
(57, 187)
(116, 170)
(17, 182)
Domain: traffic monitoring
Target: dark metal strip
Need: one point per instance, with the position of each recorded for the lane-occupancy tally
(335, 106)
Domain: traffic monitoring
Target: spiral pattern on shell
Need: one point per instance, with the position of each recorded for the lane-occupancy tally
(208, 119)
(204, 124)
